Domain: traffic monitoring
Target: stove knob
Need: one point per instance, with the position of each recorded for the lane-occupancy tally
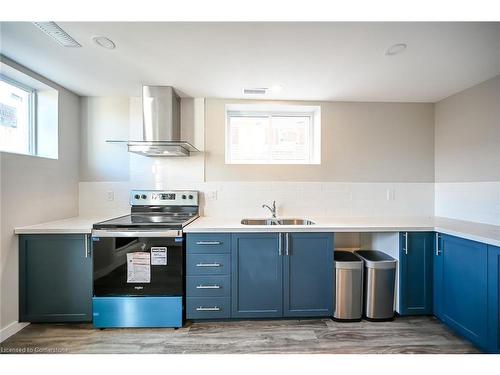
(143, 196)
(190, 196)
(137, 196)
(183, 196)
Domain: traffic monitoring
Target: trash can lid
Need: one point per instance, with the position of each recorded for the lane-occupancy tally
(347, 260)
(376, 259)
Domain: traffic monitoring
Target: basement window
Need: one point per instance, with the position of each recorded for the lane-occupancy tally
(28, 115)
(273, 134)
(17, 130)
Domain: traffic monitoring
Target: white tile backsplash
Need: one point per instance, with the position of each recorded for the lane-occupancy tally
(471, 201)
(293, 199)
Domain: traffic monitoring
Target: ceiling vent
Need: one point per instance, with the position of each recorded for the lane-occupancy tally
(53, 30)
(256, 91)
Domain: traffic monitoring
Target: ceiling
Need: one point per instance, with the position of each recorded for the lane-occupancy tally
(311, 61)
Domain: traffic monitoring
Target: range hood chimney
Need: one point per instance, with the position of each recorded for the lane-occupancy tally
(161, 116)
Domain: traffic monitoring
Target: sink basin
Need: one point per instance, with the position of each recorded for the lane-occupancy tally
(277, 222)
(295, 222)
(259, 222)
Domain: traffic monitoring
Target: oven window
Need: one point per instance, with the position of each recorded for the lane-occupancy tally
(124, 241)
(129, 267)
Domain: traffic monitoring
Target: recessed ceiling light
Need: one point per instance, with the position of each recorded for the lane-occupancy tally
(104, 42)
(396, 49)
(53, 30)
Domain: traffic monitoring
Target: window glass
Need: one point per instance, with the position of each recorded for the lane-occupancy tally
(272, 137)
(16, 122)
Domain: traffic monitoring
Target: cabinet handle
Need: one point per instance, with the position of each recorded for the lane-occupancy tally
(438, 252)
(208, 287)
(280, 244)
(208, 265)
(215, 308)
(287, 238)
(209, 243)
(86, 245)
(406, 243)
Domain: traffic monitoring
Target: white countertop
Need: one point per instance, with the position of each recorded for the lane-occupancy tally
(72, 225)
(485, 233)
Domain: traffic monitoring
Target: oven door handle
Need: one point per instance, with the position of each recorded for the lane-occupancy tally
(136, 233)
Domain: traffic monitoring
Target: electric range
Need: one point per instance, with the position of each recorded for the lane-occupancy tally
(139, 261)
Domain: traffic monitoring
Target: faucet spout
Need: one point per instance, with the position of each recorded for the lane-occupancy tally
(272, 209)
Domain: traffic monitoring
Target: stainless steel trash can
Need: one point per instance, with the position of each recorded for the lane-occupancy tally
(379, 284)
(348, 286)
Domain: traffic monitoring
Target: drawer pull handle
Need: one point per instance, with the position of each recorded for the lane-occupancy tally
(208, 287)
(438, 250)
(215, 308)
(208, 265)
(209, 243)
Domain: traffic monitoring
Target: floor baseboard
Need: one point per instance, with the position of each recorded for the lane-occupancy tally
(11, 329)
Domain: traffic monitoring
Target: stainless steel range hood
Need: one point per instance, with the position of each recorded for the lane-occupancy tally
(161, 118)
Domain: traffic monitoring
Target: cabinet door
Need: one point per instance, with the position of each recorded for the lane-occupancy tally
(415, 273)
(55, 278)
(465, 288)
(308, 274)
(494, 299)
(256, 277)
(437, 276)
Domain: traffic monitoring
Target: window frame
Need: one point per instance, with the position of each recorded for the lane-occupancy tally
(32, 123)
(274, 111)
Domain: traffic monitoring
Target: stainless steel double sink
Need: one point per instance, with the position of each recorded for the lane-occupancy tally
(277, 222)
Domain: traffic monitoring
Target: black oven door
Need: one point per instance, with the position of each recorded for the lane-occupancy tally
(138, 266)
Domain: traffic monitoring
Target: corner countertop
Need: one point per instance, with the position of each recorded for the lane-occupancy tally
(485, 233)
(72, 225)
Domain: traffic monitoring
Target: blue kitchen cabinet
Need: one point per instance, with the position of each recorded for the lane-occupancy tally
(256, 276)
(415, 273)
(308, 274)
(55, 278)
(208, 280)
(493, 299)
(461, 287)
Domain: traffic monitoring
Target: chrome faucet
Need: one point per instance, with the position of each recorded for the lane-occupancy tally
(273, 209)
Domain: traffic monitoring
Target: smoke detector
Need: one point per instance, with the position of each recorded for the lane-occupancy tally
(53, 30)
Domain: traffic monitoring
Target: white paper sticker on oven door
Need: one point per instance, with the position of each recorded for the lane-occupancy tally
(138, 267)
(158, 256)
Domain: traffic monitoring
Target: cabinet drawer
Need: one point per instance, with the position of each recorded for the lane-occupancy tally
(207, 264)
(207, 308)
(208, 286)
(208, 243)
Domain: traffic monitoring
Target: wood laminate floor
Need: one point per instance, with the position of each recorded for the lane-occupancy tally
(404, 335)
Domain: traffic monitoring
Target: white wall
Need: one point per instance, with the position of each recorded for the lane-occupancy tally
(467, 154)
(105, 119)
(35, 190)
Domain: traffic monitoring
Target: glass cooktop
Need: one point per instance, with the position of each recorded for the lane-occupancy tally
(170, 220)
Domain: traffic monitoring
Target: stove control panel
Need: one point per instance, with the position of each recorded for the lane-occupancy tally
(164, 198)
